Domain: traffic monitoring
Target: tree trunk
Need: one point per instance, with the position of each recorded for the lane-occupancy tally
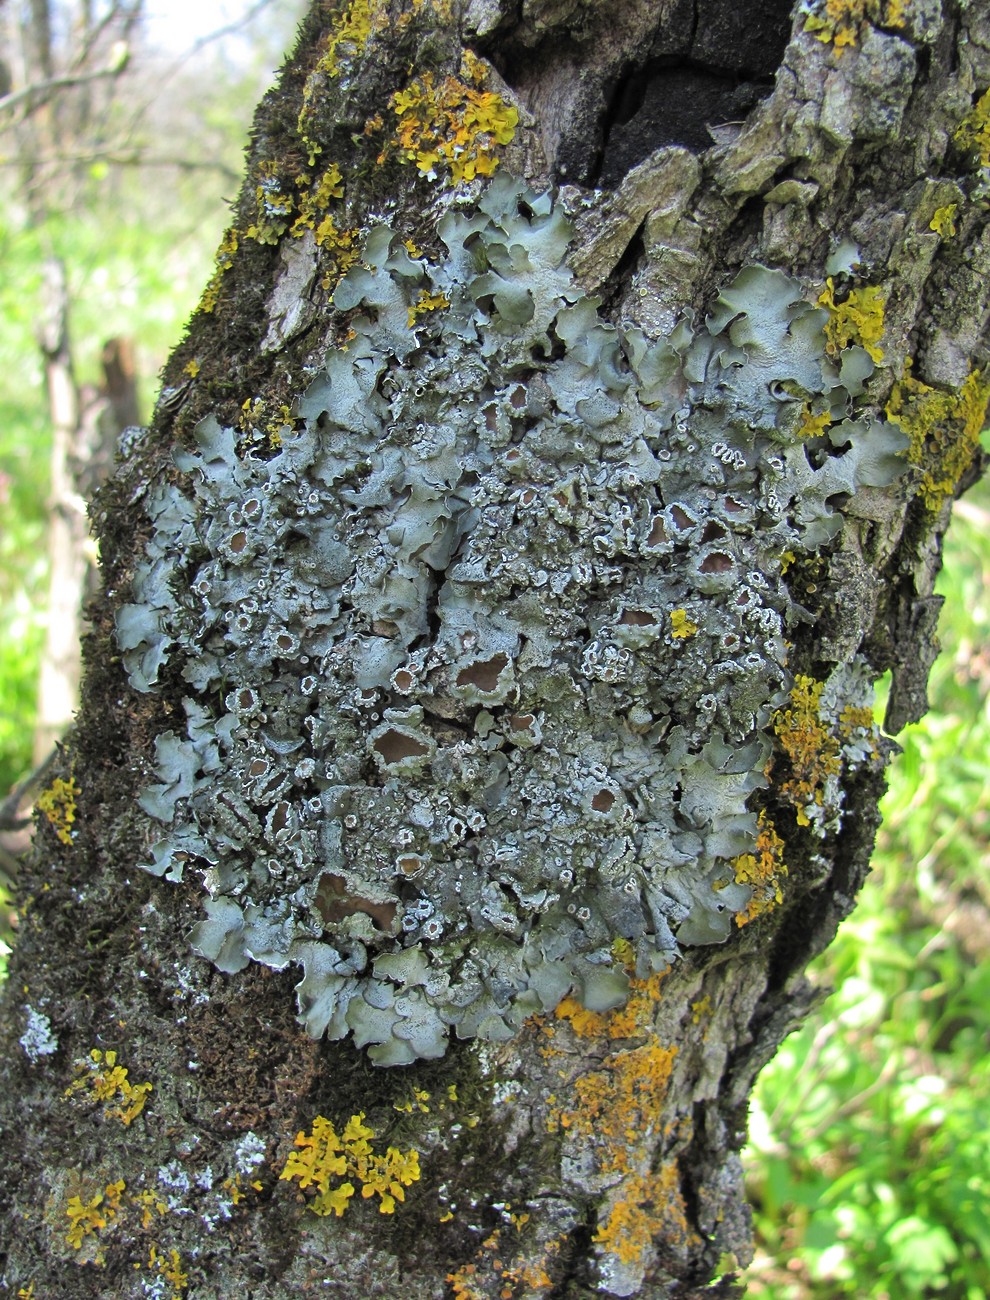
(560, 452)
(85, 428)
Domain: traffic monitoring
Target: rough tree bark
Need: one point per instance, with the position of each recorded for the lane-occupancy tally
(559, 453)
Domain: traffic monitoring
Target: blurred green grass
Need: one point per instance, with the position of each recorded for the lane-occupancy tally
(869, 1157)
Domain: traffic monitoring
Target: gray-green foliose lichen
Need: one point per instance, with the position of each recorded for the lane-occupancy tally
(481, 663)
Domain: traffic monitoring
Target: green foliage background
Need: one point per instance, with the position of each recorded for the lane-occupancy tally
(869, 1166)
(869, 1157)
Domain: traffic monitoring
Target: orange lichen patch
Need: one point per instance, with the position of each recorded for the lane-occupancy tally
(236, 1188)
(107, 1082)
(645, 1206)
(943, 426)
(621, 1103)
(586, 1024)
(58, 805)
(462, 1283)
(841, 22)
(323, 1156)
(763, 870)
(811, 751)
(450, 126)
(855, 319)
(530, 1272)
(855, 718)
(632, 1020)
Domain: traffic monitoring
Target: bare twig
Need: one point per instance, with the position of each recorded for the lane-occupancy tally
(128, 159)
(227, 30)
(45, 89)
(23, 793)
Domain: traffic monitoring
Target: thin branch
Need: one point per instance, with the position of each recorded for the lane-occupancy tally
(133, 159)
(46, 88)
(10, 809)
(227, 30)
(93, 34)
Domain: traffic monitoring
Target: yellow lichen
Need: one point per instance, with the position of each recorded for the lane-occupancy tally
(972, 135)
(273, 205)
(191, 368)
(813, 423)
(224, 261)
(701, 1009)
(418, 1102)
(235, 1187)
(347, 40)
(107, 1082)
(262, 425)
(631, 1020)
(324, 1156)
(472, 1280)
(350, 35)
(150, 1204)
(646, 1205)
(87, 1218)
(448, 126)
(943, 426)
(58, 804)
(314, 201)
(341, 246)
(462, 1285)
(616, 1106)
(762, 870)
(855, 319)
(622, 1099)
(427, 302)
(681, 626)
(841, 22)
(169, 1267)
(811, 751)
(944, 221)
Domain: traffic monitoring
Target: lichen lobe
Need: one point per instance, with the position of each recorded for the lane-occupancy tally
(480, 654)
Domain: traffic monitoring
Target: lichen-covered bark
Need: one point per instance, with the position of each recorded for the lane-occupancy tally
(560, 450)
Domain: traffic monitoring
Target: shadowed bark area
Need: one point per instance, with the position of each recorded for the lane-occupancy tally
(822, 176)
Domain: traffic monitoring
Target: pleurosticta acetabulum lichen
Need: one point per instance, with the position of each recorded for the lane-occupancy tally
(482, 653)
